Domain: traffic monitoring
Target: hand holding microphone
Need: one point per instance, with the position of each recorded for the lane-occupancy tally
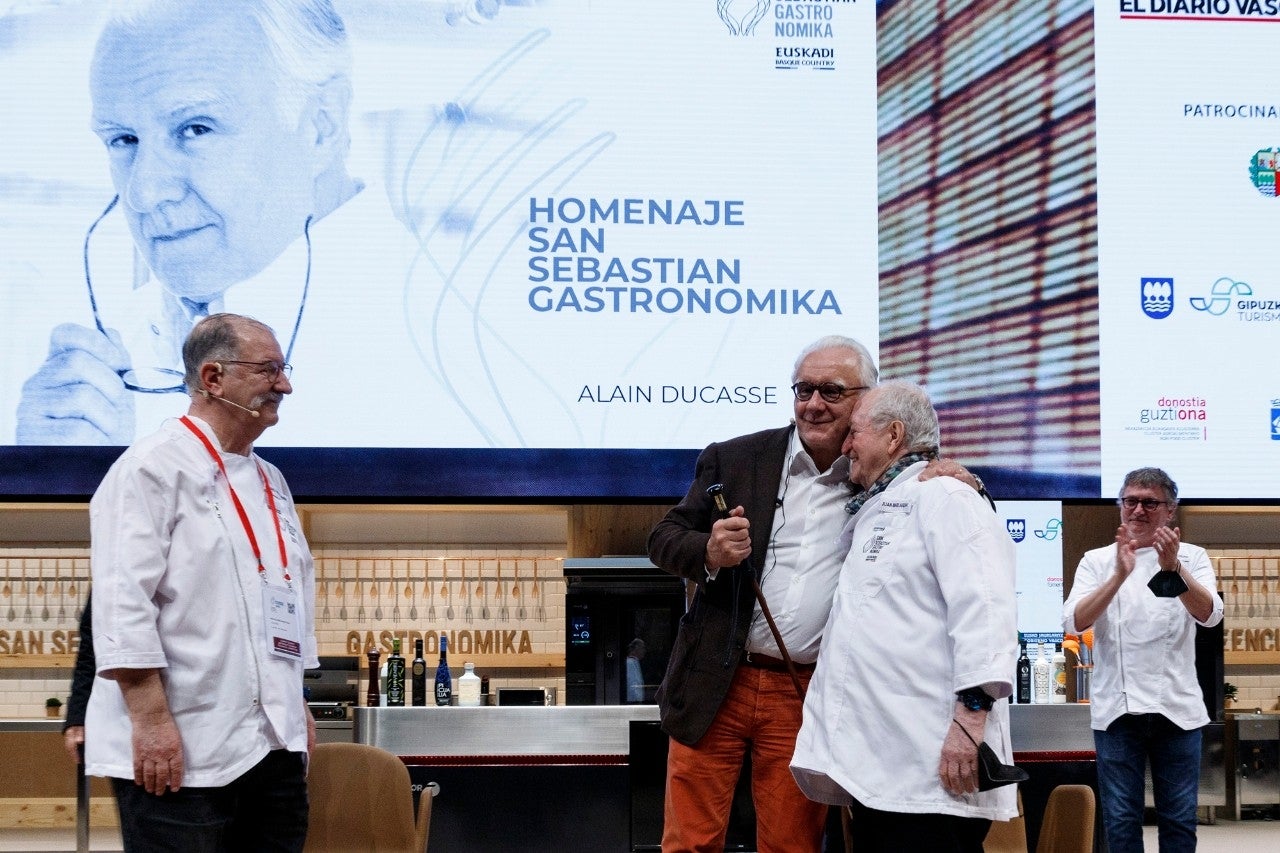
(730, 542)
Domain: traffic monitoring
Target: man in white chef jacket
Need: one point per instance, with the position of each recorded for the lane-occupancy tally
(203, 616)
(1143, 595)
(919, 647)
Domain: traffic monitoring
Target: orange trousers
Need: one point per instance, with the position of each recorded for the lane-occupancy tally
(762, 713)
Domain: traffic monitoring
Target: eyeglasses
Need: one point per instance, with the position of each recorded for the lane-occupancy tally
(829, 391)
(268, 370)
(1149, 504)
(168, 380)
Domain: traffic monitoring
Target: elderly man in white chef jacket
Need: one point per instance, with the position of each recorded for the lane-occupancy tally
(918, 648)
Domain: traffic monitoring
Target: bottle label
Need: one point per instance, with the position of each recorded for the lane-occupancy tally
(1041, 683)
(469, 691)
(395, 681)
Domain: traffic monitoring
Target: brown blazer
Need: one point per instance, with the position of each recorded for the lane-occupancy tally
(713, 633)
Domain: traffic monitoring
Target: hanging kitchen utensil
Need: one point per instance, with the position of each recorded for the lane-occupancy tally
(395, 594)
(540, 610)
(518, 592)
(359, 593)
(8, 589)
(342, 590)
(466, 584)
(324, 587)
(431, 600)
(446, 589)
(60, 590)
(42, 591)
(503, 613)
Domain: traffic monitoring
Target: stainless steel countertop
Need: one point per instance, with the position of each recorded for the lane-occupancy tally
(1050, 728)
(514, 730)
(604, 729)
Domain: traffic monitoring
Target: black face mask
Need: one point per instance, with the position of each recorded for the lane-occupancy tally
(1167, 584)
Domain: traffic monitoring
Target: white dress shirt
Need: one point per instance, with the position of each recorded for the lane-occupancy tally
(176, 588)
(800, 568)
(1144, 655)
(925, 606)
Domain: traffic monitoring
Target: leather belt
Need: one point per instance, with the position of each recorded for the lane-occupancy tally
(773, 664)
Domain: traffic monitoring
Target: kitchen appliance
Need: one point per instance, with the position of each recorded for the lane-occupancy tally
(1254, 745)
(332, 689)
(527, 696)
(621, 618)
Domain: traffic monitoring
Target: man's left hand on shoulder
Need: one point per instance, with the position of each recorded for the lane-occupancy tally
(951, 468)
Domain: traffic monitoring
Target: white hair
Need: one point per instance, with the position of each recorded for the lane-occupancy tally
(867, 373)
(908, 403)
(307, 39)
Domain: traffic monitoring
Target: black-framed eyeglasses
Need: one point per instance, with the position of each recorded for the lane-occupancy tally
(167, 380)
(269, 370)
(830, 391)
(1149, 504)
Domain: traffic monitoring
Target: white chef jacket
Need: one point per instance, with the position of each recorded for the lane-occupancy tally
(1144, 647)
(176, 587)
(925, 606)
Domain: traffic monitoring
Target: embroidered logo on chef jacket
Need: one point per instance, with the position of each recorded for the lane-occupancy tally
(873, 546)
(882, 535)
(286, 522)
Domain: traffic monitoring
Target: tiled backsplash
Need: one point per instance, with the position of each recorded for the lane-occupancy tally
(1249, 582)
(407, 589)
(397, 590)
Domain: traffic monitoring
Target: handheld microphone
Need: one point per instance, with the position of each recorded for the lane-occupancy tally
(716, 492)
(253, 412)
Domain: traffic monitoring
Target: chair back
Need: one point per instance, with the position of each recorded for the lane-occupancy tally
(1068, 820)
(1007, 836)
(361, 799)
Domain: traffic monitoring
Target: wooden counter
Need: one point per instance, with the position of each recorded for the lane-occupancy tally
(39, 789)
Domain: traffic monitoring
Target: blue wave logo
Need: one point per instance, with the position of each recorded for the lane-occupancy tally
(1051, 530)
(741, 16)
(1275, 420)
(1220, 296)
(1017, 528)
(1157, 297)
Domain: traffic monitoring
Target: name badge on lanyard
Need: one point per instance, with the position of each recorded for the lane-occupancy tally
(281, 619)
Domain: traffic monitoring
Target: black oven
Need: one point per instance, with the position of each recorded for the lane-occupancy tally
(621, 618)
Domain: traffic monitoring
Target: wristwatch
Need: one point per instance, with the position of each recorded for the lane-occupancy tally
(975, 699)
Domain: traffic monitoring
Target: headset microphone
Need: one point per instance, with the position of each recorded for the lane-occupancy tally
(253, 412)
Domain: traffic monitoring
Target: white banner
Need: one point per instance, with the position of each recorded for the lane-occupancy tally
(1188, 145)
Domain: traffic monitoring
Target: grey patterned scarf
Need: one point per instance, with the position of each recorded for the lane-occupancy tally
(903, 463)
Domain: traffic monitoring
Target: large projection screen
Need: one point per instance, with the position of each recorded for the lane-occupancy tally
(590, 237)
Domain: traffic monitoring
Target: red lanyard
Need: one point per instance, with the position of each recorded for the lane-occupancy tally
(244, 517)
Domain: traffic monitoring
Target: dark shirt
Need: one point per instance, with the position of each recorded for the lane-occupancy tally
(83, 674)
